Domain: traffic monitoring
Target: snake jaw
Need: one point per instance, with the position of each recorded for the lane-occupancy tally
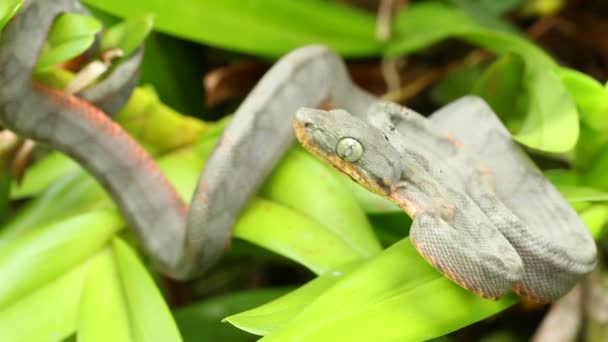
(305, 132)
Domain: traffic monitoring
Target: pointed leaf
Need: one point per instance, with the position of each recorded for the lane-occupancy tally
(103, 313)
(47, 314)
(551, 122)
(202, 320)
(151, 319)
(39, 256)
(71, 35)
(590, 96)
(293, 235)
(268, 28)
(319, 193)
(399, 294)
(501, 85)
(8, 8)
(129, 34)
(269, 317)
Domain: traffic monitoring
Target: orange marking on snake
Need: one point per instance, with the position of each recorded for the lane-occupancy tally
(106, 126)
(453, 140)
(204, 186)
(448, 273)
(203, 189)
(527, 294)
(225, 142)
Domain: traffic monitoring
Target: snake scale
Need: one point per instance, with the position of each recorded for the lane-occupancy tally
(483, 214)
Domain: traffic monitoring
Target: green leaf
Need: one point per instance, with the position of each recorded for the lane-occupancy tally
(486, 12)
(268, 28)
(588, 148)
(42, 174)
(496, 7)
(202, 321)
(319, 192)
(39, 256)
(596, 175)
(293, 235)
(595, 217)
(582, 194)
(47, 314)
(551, 122)
(370, 202)
(277, 313)
(73, 194)
(590, 96)
(399, 294)
(103, 314)
(563, 177)
(129, 34)
(8, 8)
(456, 84)
(71, 35)
(151, 319)
(501, 85)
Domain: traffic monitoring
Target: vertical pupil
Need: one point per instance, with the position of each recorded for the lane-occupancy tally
(349, 149)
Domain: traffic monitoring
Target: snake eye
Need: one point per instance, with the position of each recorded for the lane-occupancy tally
(349, 149)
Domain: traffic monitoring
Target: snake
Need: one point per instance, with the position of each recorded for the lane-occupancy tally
(483, 214)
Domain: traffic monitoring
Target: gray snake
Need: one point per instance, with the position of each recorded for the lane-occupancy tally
(483, 214)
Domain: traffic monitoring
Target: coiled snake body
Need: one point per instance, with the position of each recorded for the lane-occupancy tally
(489, 228)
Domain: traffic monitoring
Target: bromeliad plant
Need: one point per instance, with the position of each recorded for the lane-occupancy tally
(63, 257)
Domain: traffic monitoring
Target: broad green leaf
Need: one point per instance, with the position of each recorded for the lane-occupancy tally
(201, 321)
(47, 314)
(268, 28)
(129, 34)
(8, 8)
(595, 217)
(582, 194)
(293, 235)
(561, 177)
(42, 174)
(103, 312)
(588, 148)
(456, 84)
(370, 202)
(496, 7)
(39, 256)
(551, 122)
(77, 192)
(596, 175)
(155, 125)
(319, 192)
(399, 294)
(487, 12)
(590, 96)
(151, 319)
(268, 317)
(71, 35)
(73, 194)
(501, 86)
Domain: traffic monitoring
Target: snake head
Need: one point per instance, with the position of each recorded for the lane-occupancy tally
(350, 145)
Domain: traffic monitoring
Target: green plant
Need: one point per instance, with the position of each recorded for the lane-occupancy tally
(63, 258)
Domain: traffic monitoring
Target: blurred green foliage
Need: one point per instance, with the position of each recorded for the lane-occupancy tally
(66, 269)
